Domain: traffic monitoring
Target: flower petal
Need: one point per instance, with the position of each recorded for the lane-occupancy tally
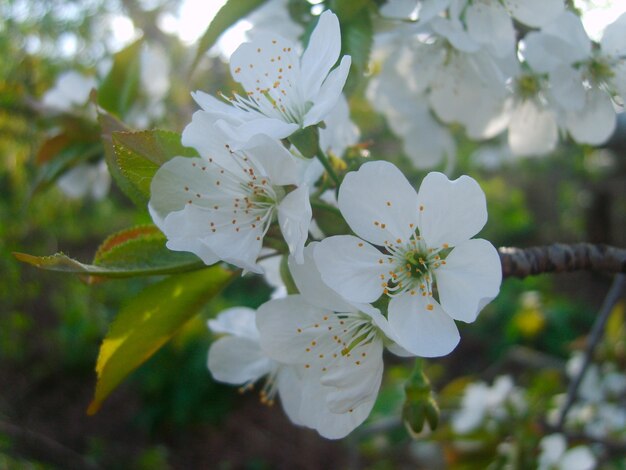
(532, 130)
(351, 267)
(186, 230)
(613, 39)
(450, 211)
(379, 203)
(422, 331)
(329, 93)
(469, 280)
(596, 122)
(294, 218)
(321, 54)
(237, 360)
(291, 391)
(236, 321)
(355, 378)
(534, 13)
(284, 327)
(309, 282)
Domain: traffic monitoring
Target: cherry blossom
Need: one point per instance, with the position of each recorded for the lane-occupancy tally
(236, 358)
(284, 92)
(420, 253)
(556, 455)
(221, 206)
(341, 342)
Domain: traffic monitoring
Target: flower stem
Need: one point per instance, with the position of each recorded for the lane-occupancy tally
(321, 156)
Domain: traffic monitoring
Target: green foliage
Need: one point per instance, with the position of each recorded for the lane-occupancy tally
(227, 16)
(149, 321)
(120, 87)
(138, 251)
(357, 35)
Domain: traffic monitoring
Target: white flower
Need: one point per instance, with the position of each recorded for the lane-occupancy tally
(221, 206)
(339, 342)
(71, 90)
(555, 455)
(86, 179)
(481, 402)
(340, 132)
(283, 91)
(426, 142)
(534, 13)
(382, 208)
(236, 358)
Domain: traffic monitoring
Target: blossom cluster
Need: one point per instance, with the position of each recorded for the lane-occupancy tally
(409, 269)
(464, 62)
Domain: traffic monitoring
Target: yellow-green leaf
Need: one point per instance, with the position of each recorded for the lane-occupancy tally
(149, 321)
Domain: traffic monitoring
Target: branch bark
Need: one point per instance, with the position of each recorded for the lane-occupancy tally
(559, 257)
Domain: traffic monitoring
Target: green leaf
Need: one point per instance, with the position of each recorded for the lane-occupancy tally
(138, 251)
(149, 321)
(227, 16)
(120, 87)
(347, 9)
(138, 155)
(357, 35)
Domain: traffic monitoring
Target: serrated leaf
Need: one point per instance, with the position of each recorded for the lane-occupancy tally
(227, 16)
(356, 41)
(149, 321)
(120, 87)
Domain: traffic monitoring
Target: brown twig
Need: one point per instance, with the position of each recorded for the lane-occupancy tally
(557, 258)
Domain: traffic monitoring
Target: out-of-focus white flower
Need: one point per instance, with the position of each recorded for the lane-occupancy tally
(534, 13)
(284, 92)
(426, 240)
(86, 180)
(71, 90)
(556, 456)
(481, 403)
(340, 132)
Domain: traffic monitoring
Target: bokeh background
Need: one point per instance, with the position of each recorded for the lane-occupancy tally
(170, 413)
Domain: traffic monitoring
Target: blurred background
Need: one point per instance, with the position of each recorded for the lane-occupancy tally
(170, 413)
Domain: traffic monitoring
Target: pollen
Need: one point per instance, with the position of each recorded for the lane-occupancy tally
(421, 208)
(388, 203)
(429, 307)
(360, 244)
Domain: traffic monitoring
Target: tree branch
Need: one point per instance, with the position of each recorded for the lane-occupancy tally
(559, 257)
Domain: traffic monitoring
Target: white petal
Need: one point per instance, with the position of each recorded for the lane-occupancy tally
(351, 267)
(236, 321)
(534, 13)
(469, 280)
(186, 230)
(309, 282)
(240, 134)
(239, 243)
(314, 412)
(614, 40)
(379, 203)
(595, 123)
(562, 42)
(566, 86)
(291, 392)
(578, 458)
(274, 160)
(237, 360)
(450, 211)
(552, 449)
(329, 93)
(321, 53)
(355, 378)
(453, 31)
(294, 218)
(279, 322)
(490, 24)
(175, 183)
(532, 130)
(423, 332)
